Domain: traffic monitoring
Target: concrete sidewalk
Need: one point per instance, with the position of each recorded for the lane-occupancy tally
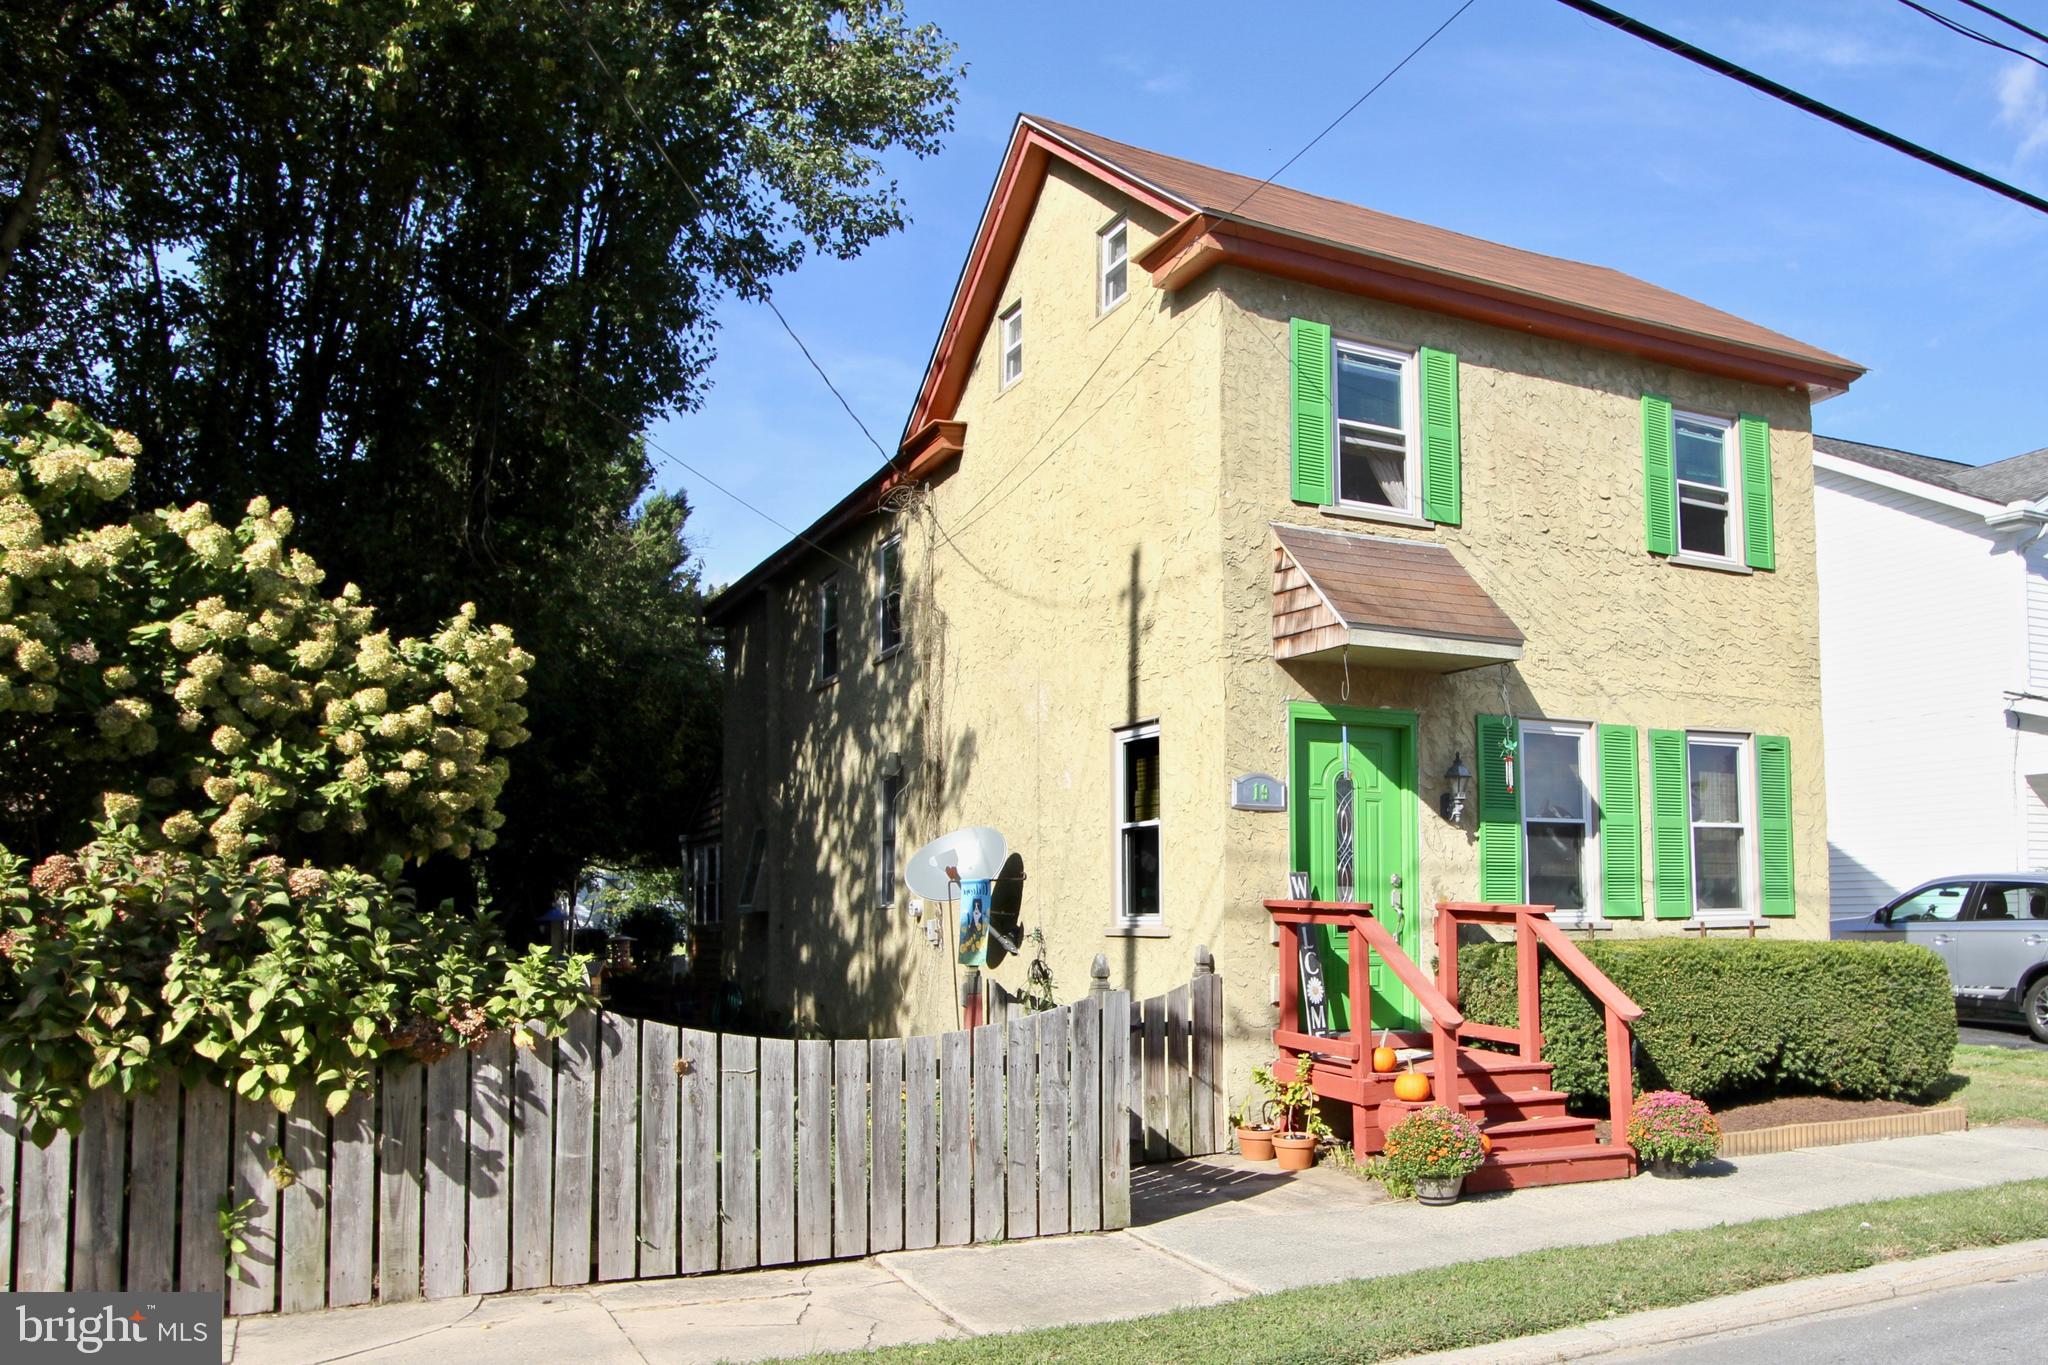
(1207, 1231)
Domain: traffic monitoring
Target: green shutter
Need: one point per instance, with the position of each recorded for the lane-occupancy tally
(1440, 456)
(1312, 481)
(1500, 816)
(1774, 824)
(1670, 825)
(1757, 531)
(1621, 824)
(1660, 489)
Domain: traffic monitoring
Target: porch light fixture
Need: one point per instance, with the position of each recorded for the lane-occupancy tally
(1458, 779)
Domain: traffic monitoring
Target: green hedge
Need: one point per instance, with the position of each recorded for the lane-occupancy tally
(1863, 1020)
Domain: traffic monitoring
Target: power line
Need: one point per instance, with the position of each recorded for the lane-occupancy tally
(1136, 316)
(1635, 28)
(2008, 20)
(703, 208)
(1974, 35)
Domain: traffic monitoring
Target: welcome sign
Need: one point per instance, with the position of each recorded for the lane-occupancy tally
(164, 1329)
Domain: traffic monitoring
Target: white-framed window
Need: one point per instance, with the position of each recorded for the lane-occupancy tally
(1560, 830)
(757, 858)
(706, 883)
(828, 629)
(1378, 435)
(889, 596)
(1721, 806)
(888, 798)
(1137, 824)
(1708, 474)
(1113, 260)
(1011, 330)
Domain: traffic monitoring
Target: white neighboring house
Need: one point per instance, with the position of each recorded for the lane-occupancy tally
(1934, 666)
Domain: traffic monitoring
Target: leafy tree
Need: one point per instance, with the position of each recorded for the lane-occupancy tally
(423, 270)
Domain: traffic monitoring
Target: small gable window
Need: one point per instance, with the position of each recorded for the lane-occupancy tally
(889, 596)
(1115, 265)
(1012, 325)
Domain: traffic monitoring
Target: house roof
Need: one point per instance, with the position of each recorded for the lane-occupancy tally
(2022, 478)
(1385, 237)
(1215, 218)
(1411, 587)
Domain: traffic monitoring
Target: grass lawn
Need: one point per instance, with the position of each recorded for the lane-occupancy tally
(1495, 1300)
(2000, 1084)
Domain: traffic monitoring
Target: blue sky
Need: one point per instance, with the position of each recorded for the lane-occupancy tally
(1525, 123)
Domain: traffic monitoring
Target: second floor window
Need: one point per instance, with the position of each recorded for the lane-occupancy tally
(1115, 265)
(1376, 443)
(1706, 471)
(1012, 333)
(828, 629)
(889, 596)
(706, 887)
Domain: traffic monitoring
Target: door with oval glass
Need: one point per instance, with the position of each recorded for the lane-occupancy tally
(1352, 829)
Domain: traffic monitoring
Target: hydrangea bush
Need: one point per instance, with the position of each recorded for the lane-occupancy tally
(234, 771)
(1670, 1125)
(185, 677)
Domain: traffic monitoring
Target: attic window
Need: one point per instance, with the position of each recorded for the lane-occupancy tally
(1012, 323)
(1115, 261)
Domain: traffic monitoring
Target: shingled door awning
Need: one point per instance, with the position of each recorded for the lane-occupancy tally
(1387, 603)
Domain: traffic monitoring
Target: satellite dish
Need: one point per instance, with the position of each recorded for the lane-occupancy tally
(974, 852)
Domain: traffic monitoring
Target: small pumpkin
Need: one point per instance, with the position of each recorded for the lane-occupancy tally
(1383, 1060)
(1411, 1086)
(1485, 1145)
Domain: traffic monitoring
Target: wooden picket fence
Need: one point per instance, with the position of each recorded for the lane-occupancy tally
(620, 1150)
(1180, 1106)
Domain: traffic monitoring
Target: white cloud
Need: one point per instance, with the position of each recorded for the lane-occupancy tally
(2023, 106)
(1840, 48)
(1148, 79)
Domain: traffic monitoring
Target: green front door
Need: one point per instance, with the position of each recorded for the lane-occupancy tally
(1378, 751)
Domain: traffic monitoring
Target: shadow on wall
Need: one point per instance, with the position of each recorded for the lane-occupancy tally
(1855, 889)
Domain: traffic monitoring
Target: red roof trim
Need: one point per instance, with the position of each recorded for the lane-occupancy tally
(1032, 152)
(1202, 242)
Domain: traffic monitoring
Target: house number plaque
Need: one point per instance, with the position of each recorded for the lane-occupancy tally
(1258, 791)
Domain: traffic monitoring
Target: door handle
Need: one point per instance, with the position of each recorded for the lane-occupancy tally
(2036, 940)
(1942, 938)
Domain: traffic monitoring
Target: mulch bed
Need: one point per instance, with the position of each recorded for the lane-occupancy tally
(1737, 1116)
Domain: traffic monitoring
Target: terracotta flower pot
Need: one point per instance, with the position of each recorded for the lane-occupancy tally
(1255, 1144)
(1437, 1191)
(1297, 1151)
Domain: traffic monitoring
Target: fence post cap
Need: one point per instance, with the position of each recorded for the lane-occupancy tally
(1205, 963)
(1099, 970)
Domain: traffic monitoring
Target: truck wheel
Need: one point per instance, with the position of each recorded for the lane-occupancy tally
(2037, 1010)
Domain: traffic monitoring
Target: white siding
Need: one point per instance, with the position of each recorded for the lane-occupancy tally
(1924, 630)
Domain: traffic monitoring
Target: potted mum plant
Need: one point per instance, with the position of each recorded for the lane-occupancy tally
(1292, 1104)
(1254, 1134)
(1430, 1153)
(1672, 1132)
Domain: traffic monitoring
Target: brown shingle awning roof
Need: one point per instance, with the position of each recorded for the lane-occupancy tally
(1397, 603)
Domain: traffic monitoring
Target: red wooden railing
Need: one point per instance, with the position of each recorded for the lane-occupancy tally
(1368, 936)
(1533, 930)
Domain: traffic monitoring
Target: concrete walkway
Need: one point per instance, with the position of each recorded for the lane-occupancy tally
(1207, 1231)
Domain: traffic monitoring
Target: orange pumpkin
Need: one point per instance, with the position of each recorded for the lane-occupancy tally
(1411, 1086)
(1383, 1059)
(1485, 1145)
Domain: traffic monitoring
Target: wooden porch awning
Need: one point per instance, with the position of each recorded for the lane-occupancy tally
(1387, 603)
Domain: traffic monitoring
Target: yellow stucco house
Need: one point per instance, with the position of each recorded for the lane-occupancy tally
(1208, 481)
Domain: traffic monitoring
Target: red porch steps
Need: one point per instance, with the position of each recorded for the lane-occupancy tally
(1535, 1140)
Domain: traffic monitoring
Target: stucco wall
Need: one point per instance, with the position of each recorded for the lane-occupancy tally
(1553, 529)
(1100, 555)
(1062, 579)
